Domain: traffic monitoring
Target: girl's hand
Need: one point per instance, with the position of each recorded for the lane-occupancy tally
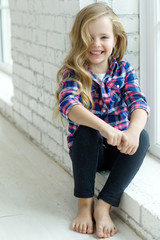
(114, 136)
(133, 142)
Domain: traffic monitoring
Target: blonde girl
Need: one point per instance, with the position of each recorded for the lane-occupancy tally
(100, 97)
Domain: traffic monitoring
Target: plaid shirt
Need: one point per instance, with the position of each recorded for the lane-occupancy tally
(114, 99)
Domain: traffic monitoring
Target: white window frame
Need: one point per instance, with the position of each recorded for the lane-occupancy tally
(5, 66)
(149, 69)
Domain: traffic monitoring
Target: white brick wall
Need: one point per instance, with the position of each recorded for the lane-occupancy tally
(39, 44)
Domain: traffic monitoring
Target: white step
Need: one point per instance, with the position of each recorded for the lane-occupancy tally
(36, 194)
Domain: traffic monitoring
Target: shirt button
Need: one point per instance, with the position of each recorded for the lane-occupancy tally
(118, 85)
(104, 110)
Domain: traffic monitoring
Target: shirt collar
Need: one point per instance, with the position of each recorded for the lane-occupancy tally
(110, 70)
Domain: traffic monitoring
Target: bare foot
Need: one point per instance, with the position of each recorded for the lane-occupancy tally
(105, 228)
(83, 223)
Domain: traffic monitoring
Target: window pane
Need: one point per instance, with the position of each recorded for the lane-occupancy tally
(6, 37)
(4, 3)
(158, 75)
(5, 33)
(1, 46)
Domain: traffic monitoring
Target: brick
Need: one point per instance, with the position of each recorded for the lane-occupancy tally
(133, 58)
(34, 132)
(49, 55)
(65, 144)
(46, 22)
(133, 43)
(59, 56)
(108, 2)
(36, 65)
(35, 6)
(86, 3)
(130, 23)
(66, 161)
(18, 94)
(9, 111)
(25, 99)
(51, 7)
(49, 101)
(12, 4)
(17, 17)
(125, 7)
(21, 5)
(39, 37)
(69, 23)
(20, 121)
(59, 24)
(48, 85)
(18, 44)
(26, 112)
(24, 73)
(70, 7)
(56, 40)
(16, 105)
(52, 146)
(48, 113)
(55, 134)
(20, 59)
(67, 43)
(50, 70)
(39, 122)
(33, 104)
(38, 52)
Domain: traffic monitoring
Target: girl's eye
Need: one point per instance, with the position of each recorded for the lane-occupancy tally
(104, 37)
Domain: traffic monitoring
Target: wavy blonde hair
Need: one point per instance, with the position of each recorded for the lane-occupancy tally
(80, 44)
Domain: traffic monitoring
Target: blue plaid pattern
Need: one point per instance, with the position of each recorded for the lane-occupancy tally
(114, 99)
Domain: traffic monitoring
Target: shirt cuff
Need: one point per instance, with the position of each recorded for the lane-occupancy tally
(140, 105)
(65, 110)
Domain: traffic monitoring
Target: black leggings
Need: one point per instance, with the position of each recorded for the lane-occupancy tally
(89, 156)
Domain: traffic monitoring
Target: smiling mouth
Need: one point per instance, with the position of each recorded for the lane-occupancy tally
(96, 52)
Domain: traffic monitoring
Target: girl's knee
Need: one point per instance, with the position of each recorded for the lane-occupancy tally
(86, 134)
(144, 139)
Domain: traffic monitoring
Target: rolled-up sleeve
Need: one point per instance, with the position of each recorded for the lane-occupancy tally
(134, 98)
(69, 96)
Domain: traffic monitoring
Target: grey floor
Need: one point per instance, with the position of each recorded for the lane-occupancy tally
(36, 194)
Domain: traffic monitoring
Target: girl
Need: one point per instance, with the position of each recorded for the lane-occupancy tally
(99, 95)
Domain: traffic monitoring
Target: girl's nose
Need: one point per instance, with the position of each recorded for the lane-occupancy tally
(95, 43)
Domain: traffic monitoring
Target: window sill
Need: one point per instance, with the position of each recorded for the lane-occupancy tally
(140, 202)
(6, 88)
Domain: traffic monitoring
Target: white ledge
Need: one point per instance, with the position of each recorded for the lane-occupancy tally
(140, 202)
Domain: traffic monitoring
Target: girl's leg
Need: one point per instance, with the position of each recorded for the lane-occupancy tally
(85, 151)
(123, 168)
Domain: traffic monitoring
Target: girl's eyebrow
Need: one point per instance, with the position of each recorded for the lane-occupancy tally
(104, 33)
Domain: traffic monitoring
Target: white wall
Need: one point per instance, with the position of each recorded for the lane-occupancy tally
(39, 43)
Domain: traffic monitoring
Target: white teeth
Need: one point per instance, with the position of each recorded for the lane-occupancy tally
(96, 52)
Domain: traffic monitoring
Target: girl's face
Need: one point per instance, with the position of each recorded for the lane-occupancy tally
(103, 42)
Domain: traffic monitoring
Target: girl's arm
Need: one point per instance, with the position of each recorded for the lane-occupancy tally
(137, 122)
(82, 116)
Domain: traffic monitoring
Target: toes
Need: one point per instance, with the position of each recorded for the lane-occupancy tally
(84, 228)
(90, 229)
(80, 228)
(77, 226)
(74, 226)
(106, 233)
(100, 233)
